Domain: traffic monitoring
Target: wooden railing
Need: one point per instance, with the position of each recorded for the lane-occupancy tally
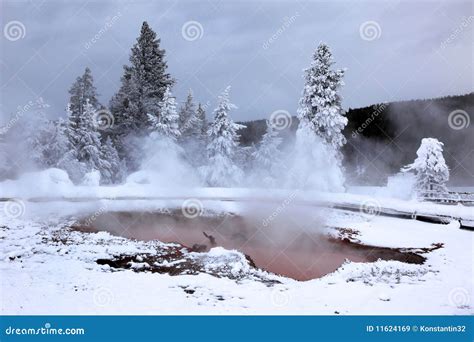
(450, 197)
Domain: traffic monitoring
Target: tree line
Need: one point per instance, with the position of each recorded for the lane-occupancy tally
(108, 140)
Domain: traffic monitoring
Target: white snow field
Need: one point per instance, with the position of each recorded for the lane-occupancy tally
(47, 268)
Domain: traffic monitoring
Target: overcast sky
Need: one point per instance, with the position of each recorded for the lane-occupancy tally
(392, 50)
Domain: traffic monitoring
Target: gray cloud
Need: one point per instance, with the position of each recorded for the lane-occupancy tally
(258, 47)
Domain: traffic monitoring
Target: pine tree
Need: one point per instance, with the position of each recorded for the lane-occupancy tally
(149, 68)
(60, 153)
(223, 143)
(85, 141)
(317, 158)
(83, 89)
(430, 168)
(187, 118)
(320, 105)
(268, 157)
(144, 83)
(89, 140)
(194, 141)
(83, 96)
(112, 168)
(201, 123)
(165, 123)
(123, 107)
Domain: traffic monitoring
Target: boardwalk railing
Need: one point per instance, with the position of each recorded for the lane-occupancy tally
(450, 197)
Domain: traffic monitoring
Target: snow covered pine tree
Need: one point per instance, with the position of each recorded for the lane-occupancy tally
(201, 117)
(319, 136)
(223, 143)
(192, 125)
(163, 161)
(164, 124)
(187, 118)
(320, 105)
(144, 83)
(84, 137)
(430, 169)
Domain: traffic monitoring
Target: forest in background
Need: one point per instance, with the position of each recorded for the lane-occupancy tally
(383, 136)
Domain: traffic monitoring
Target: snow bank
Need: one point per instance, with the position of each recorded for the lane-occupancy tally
(220, 260)
(91, 178)
(40, 183)
(399, 186)
(382, 271)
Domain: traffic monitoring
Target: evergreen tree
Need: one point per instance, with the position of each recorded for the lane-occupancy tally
(194, 141)
(187, 118)
(165, 123)
(83, 89)
(320, 105)
(144, 83)
(89, 145)
(317, 158)
(113, 168)
(84, 151)
(123, 106)
(268, 157)
(430, 168)
(223, 143)
(201, 123)
(85, 142)
(62, 154)
(83, 97)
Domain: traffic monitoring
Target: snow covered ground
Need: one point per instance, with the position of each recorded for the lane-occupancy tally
(48, 269)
